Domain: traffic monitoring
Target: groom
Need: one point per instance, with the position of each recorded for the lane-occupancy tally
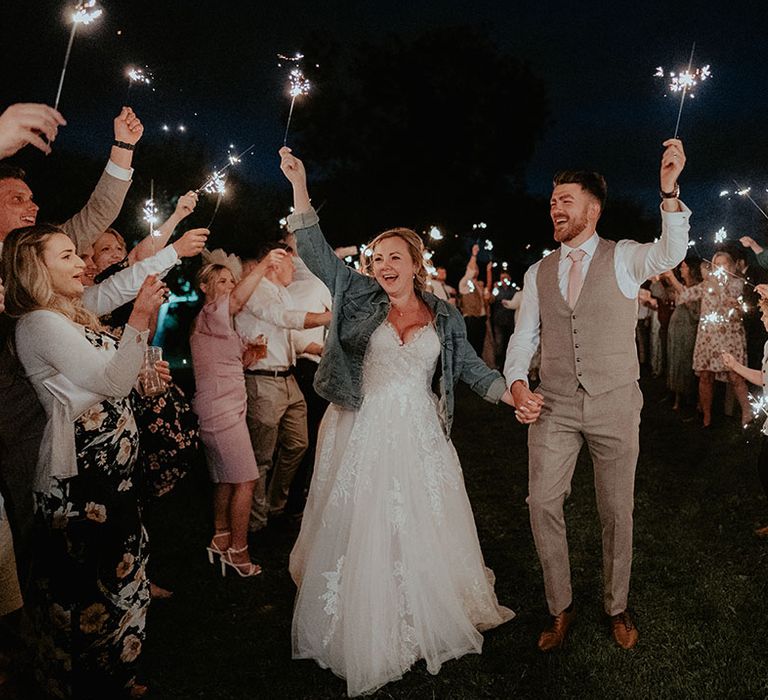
(580, 302)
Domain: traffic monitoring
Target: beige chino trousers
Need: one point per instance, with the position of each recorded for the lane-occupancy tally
(609, 424)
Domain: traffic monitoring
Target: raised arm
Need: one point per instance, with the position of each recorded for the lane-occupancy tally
(648, 259)
(107, 198)
(308, 240)
(23, 124)
(149, 245)
(247, 286)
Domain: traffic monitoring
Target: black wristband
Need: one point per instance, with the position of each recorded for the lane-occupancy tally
(674, 194)
(123, 144)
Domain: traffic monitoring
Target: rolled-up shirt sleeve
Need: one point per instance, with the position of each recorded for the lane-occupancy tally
(525, 339)
(643, 260)
(123, 286)
(269, 307)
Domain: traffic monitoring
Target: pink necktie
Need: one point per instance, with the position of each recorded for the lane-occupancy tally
(575, 276)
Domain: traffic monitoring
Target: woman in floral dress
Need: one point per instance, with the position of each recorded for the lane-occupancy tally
(90, 591)
(720, 331)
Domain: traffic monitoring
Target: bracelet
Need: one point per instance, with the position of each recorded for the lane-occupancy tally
(674, 194)
(123, 144)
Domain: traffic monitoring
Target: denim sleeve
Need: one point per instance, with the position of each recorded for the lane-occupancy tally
(314, 250)
(762, 258)
(483, 380)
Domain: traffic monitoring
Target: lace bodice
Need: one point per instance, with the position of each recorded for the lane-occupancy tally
(391, 366)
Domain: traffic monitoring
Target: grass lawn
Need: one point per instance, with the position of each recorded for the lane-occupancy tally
(699, 588)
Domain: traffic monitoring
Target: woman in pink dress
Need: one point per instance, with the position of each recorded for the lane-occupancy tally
(220, 403)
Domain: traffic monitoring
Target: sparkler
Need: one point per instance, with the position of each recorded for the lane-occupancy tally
(684, 82)
(744, 192)
(721, 235)
(216, 182)
(150, 212)
(85, 13)
(436, 234)
(759, 405)
(299, 86)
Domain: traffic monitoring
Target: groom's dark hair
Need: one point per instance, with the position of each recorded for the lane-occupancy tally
(591, 182)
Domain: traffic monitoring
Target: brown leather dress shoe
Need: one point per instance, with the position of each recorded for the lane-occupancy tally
(554, 637)
(624, 631)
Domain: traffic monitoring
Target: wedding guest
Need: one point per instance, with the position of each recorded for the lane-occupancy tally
(681, 336)
(662, 291)
(90, 595)
(221, 401)
(277, 411)
(502, 315)
(472, 301)
(22, 418)
(440, 288)
(167, 425)
(18, 208)
(309, 293)
(720, 331)
(759, 378)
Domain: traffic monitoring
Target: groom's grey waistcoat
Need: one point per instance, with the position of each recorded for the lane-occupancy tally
(593, 344)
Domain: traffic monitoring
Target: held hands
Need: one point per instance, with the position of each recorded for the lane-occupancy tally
(672, 164)
(186, 205)
(527, 404)
(192, 242)
(23, 124)
(128, 127)
(292, 167)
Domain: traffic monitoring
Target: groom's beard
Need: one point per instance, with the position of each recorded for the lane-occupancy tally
(570, 229)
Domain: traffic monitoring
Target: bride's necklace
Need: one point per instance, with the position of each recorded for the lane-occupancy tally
(404, 311)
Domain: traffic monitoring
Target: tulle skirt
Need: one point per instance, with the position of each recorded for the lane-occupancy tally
(388, 563)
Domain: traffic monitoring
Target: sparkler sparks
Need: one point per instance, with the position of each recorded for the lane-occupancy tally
(684, 82)
(436, 234)
(139, 75)
(745, 192)
(86, 12)
(759, 405)
(298, 86)
(721, 235)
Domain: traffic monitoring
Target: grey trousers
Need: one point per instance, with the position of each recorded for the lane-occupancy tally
(277, 422)
(609, 423)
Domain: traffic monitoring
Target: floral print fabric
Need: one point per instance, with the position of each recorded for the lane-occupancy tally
(91, 592)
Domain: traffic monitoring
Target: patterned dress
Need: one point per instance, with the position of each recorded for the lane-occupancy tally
(170, 438)
(721, 328)
(91, 592)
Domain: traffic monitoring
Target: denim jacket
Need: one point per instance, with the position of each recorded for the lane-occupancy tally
(360, 306)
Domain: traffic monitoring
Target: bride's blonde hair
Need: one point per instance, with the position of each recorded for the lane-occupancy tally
(415, 248)
(27, 281)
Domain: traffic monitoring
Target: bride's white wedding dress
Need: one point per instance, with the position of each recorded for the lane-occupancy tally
(388, 563)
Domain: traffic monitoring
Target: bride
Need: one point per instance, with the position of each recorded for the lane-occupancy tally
(388, 564)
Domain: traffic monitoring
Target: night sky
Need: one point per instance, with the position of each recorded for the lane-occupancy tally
(216, 73)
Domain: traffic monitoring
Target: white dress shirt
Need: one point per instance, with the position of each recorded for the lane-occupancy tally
(633, 262)
(310, 294)
(271, 312)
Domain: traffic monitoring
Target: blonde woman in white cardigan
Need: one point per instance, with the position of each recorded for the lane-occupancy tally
(90, 591)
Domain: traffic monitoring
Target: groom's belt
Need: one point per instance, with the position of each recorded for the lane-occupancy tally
(270, 372)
